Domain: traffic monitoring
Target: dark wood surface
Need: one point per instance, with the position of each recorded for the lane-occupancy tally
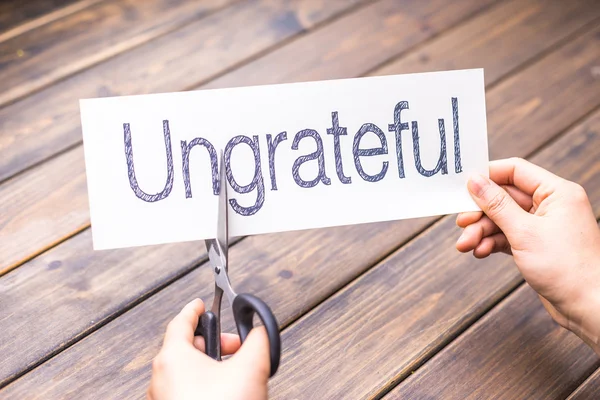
(17, 13)
(516, 351)
(21, 121)
(386, 309)
(588, 389)
(68, 45)
(215, 43)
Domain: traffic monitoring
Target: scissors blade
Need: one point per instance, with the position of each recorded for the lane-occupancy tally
(217, 248)
(222, 218)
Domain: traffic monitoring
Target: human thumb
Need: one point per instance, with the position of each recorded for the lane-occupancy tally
(497, 204)
(254, 354)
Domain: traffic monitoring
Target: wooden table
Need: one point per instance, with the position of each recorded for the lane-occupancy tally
(377, 310)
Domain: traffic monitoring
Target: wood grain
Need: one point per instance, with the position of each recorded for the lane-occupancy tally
(19, 243)
(90, 288)
(36, 13)
(16, 12)
(173, 62)
(533, 95)
(366, 338)
(537, 25)
(403, 308)
(72, 164)
(589, 389)
(293, 272)
(78, 288)
(351, 46)
(515, 352)
(53, 51)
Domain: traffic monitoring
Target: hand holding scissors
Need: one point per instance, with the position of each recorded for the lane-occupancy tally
(244, 306)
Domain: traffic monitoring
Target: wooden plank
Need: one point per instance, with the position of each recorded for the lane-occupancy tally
(90, 288)
(380, 32)
(588, 389)
(39, 205)
(53, 51)
(19, 243)
(79, 288)
(17, 18)
(203, 49)
(129, 274)
(60, 333)
(515, 352)
(292, 271)
(14, 12)
(527, 355)
(537, 41)
(406, 303)
(491, 357)
(537, 25)
(371, 335)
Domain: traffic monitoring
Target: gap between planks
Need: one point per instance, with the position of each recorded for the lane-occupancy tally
(538, 57)
(434, 362)
(288, 324)
(354, 9)
(90, 61)
(46, 19)
(449, 339)
(332, 18)
(443, 339)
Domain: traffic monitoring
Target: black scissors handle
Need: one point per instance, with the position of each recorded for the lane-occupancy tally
(245, 307)
(209, 329)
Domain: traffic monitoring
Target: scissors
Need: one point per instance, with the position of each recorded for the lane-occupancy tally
(244, 306)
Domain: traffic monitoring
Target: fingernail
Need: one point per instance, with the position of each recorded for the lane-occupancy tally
(477, 184)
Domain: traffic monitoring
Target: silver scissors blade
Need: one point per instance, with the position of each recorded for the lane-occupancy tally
(217, 248)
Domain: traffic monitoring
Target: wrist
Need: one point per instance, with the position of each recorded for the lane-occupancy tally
(583, 314)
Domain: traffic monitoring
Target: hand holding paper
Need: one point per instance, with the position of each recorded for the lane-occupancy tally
(297, 156)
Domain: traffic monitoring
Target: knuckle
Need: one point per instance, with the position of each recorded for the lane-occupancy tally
(158, 363)
(171, 325)
(161, 362)
(496, 204)
(517, 160)
(578, 193)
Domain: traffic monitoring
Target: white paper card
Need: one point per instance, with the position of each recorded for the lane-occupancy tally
(297, 156)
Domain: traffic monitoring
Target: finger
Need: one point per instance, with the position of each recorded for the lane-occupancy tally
(476, 228)
(523, 199)
(523, 174)
(182, 327)
(149, 395)
(230, 343)
(254, 354)
(492, 244)
(467, 218)
(497, 204)
(475, 233)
